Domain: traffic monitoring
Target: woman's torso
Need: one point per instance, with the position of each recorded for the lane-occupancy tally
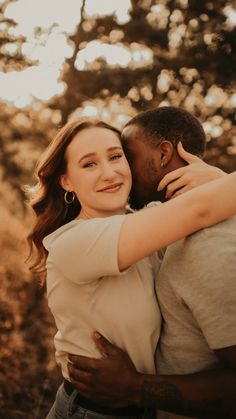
(121, 306)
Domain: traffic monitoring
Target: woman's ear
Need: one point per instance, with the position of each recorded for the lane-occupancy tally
(64, 182)
(166, 152)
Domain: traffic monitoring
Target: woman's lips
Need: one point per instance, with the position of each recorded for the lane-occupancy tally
(111, 188)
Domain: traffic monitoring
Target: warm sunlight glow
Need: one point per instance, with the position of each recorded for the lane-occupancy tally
(49, 53)
(230, 13)
(158, 16)
(107, 7)
(44, 14)
(34, 82)
(114, 55)
(115, 110)
(46, 24)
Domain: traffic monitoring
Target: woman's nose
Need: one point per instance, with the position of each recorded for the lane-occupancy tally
(107, 171)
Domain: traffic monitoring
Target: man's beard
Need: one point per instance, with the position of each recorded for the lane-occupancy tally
(139, 197)
(137, 201)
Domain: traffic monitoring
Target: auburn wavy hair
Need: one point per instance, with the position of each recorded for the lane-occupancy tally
(47, 196)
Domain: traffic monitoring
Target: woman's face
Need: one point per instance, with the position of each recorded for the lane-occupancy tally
(97, 172)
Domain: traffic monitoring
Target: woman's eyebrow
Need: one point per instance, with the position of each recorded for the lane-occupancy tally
(87, 155)
(94, 153)
(115, 148)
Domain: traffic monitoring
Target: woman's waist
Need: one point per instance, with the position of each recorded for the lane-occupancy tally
(141, 352)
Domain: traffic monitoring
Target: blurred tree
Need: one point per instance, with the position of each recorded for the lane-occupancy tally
(24, 135)
(167, 52)
(11, 57)
(182, 53)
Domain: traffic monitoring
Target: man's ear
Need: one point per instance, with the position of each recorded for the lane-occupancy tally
(64, 182)
(166, 152)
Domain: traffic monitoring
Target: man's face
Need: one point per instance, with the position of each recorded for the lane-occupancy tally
(143, 160)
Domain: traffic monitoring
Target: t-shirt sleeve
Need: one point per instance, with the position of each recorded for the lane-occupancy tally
(88, 250)
(210, 292)
(160, 252)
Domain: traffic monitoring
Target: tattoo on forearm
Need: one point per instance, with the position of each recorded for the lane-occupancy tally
(166, 396)
(162, 395)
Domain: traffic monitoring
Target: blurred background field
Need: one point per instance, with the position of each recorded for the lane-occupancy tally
(62, 59)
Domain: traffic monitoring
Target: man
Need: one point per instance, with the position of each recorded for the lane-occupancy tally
(196, 290)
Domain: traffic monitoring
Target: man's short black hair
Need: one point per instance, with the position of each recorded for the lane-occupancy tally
(172, 124)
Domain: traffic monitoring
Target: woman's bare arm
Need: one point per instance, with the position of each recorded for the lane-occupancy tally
(154, 228)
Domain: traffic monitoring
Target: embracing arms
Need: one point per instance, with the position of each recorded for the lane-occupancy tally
(155, 228)
(113, 380)
(195, 173)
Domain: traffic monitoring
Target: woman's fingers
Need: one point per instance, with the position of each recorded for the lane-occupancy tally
(192, 160)
(170, 177)
(188, 177)
(173, 187)
(180, 192)
(185, 155)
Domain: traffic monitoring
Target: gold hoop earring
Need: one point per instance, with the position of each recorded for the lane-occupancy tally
(69, 201)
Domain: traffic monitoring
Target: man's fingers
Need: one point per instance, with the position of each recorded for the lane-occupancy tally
(83, 362)
(104, 346)
(81, 387)
(78, 375)
(188, 157)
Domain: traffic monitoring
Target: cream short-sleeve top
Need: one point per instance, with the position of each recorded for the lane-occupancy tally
(87, 292)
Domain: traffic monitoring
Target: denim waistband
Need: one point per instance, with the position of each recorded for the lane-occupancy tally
(90, 405)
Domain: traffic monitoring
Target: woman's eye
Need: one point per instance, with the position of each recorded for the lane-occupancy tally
(89, 164)
(116, 156)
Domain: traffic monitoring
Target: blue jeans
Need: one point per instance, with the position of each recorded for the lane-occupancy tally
(66, 407)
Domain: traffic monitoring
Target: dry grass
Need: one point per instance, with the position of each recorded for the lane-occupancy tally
(28, 375)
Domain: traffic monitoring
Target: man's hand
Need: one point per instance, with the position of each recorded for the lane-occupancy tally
(196, 173)
(114, 381)
(111, 380)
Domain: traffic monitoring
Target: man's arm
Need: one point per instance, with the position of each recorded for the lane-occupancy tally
(114, 381)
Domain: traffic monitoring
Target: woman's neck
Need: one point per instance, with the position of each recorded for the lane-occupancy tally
(86, 214)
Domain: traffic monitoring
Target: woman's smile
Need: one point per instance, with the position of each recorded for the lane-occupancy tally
(115, 187)
(98, 172)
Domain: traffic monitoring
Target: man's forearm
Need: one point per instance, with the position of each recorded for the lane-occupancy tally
(114, 381)
(212, 393)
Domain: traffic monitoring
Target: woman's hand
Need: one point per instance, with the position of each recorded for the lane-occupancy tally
(196, 173)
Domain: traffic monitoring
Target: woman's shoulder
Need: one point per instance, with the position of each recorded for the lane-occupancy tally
(88, 229)
(50, 238)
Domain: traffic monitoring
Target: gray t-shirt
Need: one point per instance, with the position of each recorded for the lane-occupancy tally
(196, 289)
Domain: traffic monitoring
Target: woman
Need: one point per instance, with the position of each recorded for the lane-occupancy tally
(98, 255)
